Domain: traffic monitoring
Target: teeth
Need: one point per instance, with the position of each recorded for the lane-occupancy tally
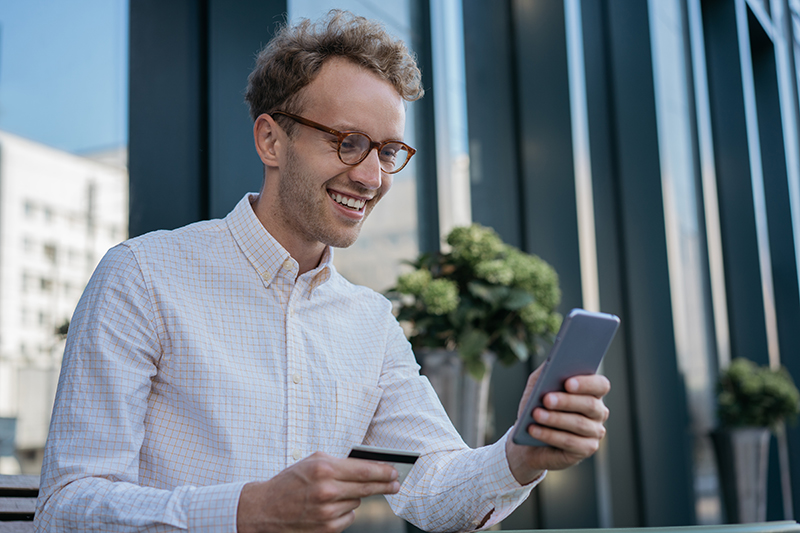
(349, 202)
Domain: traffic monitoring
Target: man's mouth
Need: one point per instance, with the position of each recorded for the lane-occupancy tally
(356, 204)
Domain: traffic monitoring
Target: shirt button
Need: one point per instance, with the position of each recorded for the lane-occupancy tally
(296, 378)
(287, 264)
(296, 454)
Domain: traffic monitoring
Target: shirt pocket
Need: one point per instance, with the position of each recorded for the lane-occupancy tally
(355, 405)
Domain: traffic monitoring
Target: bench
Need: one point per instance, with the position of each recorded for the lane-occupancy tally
(17, 503)
(787, 526)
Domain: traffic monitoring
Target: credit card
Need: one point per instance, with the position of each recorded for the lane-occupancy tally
(401, 460)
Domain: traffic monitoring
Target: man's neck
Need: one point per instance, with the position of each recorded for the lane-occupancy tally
(307, 254)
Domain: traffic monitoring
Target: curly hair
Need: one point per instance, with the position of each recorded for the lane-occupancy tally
(294, 57)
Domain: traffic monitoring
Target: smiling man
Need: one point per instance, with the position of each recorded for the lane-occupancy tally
(216, 376)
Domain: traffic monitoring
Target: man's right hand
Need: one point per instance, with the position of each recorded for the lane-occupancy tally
(319, 493)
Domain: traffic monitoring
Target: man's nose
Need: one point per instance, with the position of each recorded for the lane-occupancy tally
(368, 173)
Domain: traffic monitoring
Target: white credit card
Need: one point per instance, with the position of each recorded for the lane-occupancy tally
(401, 460)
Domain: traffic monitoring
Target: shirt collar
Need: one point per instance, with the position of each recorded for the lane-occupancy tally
(266, 254)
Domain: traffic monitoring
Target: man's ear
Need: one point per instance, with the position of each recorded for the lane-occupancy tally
(268, 137)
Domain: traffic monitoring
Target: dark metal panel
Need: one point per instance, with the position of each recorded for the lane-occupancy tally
(781, 238)
(549, 217)
(427, 187)
(166, 115)
(236, 33)
(734, 185)
(661, 417)
(495, 188)
(491, 114)
(623, 454)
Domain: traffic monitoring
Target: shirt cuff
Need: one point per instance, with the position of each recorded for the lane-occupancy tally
(503, 491)
(214, 508)
(498, 462)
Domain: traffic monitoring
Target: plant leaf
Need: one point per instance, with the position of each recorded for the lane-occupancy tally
(517, 299)
(517, 346)
(493, 294)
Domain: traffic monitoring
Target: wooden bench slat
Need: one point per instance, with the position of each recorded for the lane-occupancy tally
(17, 506)
(26, 481)
(25, 486)
(16, 527)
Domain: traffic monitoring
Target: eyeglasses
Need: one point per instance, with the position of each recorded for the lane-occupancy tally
(354, 146)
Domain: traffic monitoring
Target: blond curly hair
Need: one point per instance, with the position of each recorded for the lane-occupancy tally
(294, 57)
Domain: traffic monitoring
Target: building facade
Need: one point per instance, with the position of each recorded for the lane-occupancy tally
(648, 150)
(59, 213)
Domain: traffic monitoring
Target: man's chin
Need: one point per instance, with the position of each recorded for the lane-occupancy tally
(342, 242)
(344, 239)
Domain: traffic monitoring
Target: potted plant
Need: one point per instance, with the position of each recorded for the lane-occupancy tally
(482, 300)
(752, 402)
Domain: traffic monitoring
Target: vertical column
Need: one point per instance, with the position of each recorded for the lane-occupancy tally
(734, 185)
(657, 390)
(491, 100)
(236, 33)
(549, 214)
(166, 139)
(191, 147)
(782, 245)
(621, 439)
(494, 175)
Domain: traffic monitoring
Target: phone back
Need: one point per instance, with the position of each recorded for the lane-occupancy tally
(578, 349)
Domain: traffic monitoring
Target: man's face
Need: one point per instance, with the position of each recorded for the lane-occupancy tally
(315, 185)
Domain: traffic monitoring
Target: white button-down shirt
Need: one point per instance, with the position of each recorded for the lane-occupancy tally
(198, 361)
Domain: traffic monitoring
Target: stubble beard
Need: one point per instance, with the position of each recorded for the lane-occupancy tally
(305, 211)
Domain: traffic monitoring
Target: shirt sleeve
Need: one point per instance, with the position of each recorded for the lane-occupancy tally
(451, 487)
(90, 471)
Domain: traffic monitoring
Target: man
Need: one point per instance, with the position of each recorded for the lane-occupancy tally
(216, 376)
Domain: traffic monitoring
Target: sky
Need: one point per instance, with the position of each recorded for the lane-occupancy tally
(64, 72)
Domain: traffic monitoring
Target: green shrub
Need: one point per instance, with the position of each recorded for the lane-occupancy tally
(752, 395)
(482, 295)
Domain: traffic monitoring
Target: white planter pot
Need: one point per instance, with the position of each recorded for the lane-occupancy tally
(742, 459)
(465, 399)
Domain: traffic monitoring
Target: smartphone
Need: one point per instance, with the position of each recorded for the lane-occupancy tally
(578, 349)
(401, 460)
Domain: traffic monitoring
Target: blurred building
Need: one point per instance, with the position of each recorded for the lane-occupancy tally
(59, 213)
(648, 149)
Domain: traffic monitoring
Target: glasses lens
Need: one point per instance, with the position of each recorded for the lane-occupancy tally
(393, 156)
(353, 148)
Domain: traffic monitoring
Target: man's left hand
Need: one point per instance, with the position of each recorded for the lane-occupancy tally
(571, 422)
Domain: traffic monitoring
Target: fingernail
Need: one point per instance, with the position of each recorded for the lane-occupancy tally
(571, 385)
(543, 415)
(552, 400)
(535, 431)
(395, 487)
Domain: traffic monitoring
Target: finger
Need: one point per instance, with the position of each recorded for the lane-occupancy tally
(365, 471)
(343, 522)
(595, 385)
(571, 423)
(589, 406)
(528, 390)
(335, 517)
(568, 442)
(357, 490)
